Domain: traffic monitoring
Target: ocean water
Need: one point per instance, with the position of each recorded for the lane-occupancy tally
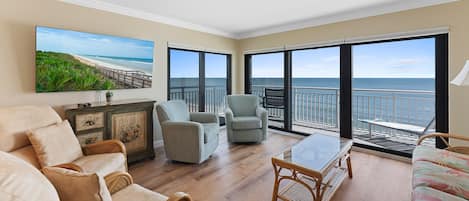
(140, 64)
(381, 98)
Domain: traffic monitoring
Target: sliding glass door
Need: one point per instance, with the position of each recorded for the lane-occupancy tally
(201, 79)
(184, 77)
(393, 96)
(216, 82)
(267, 80)
(315, 89)
(383, 94)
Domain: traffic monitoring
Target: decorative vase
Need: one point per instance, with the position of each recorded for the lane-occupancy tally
(109, 95)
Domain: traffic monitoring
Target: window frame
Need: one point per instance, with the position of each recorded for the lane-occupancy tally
(346, 69)
(201, 77)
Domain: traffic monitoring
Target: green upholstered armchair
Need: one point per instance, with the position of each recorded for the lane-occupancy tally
(188, 137)
(246, 120)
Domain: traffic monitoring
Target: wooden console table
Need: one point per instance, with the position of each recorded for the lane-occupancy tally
(130, 121)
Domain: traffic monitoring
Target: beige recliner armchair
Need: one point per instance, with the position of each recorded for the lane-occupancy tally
(103, 157)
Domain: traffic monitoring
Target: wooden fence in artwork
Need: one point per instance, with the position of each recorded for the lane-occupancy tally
(132, 79)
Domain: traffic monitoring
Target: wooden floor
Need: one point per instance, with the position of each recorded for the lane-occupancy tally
(244, 173)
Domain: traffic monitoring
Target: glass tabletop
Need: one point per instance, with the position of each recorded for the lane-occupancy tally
(316, 152)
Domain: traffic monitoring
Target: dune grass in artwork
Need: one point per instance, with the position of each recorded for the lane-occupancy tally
(62, 72)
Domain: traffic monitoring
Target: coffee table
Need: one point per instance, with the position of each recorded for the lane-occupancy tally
(312, 169)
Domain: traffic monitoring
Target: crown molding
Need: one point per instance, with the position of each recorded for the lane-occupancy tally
(113, 8)
(357, 14)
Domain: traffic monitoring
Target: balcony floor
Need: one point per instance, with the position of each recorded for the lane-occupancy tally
(398, 142)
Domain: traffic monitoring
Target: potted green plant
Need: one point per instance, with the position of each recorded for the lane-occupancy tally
(109, 95)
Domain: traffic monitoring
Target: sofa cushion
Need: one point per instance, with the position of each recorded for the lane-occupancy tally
(20, 181)
(243, 123)
(445, 179)
(210, 132)
(136, 192)
(102, 164)
(55, 144)
(15, 122)
(426, 194)
(450, 159)
(27, 154)
(76, 186)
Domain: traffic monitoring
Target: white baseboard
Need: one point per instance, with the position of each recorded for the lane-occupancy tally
(158, 143)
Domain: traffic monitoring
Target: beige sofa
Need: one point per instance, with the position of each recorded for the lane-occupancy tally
(19, 162)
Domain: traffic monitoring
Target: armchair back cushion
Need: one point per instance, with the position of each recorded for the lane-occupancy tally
(243, 105)
(76, 186)
(175, 110)
(55, 144)
(15, 122)
(20, 181)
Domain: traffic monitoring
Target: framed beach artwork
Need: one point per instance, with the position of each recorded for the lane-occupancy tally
(77, 61)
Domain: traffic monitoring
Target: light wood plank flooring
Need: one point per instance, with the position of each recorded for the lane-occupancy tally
(244, 173)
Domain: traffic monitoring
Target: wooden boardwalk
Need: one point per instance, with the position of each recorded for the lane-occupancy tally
(132, 79)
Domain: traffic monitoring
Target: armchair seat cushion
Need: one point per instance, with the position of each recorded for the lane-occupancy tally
(102, 164)
(244, 123)
(136, 192)
(210, 132)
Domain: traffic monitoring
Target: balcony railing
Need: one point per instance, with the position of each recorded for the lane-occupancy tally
(214, 97)
(315, 107)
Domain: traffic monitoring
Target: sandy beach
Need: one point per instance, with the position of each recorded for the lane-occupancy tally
(93, 62)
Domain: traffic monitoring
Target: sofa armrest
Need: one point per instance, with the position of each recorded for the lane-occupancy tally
(107, 146)
(70, 166)
(444, 137)
(180, 196)
(117, 181)
(204, 117)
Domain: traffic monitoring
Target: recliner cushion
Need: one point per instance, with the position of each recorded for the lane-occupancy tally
(244, 123)
(102, 164)
(210, 132)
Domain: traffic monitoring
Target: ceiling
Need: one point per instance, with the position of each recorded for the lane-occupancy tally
(250, 18)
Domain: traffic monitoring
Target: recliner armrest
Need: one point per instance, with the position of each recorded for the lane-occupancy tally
(261, 113)
(229, 114)
(103, 147)
(181, 128)
(204, 117)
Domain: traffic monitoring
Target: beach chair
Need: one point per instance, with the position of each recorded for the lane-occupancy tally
(413, 129)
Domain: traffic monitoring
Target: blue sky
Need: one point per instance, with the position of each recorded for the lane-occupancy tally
(401, 59)
(411, 59)
(185, 64)
(73, 42)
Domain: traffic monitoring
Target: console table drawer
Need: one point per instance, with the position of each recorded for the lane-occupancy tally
(89, 121)
(90, 138)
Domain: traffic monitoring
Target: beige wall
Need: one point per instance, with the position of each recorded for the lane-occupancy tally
(453, 15)
(18, 19)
